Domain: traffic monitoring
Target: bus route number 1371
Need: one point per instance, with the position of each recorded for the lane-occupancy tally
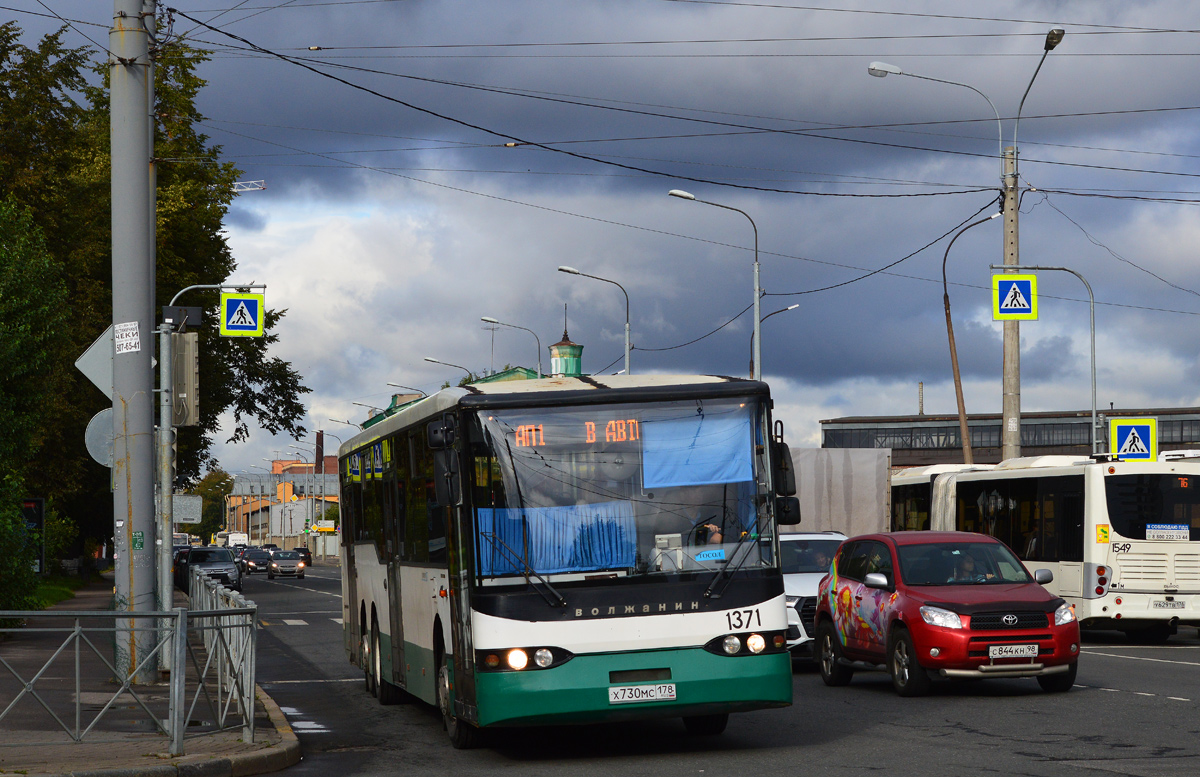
(743, 619)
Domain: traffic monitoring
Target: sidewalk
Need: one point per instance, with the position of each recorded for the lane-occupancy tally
(124, 742)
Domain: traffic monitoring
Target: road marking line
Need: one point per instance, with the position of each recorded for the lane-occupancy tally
(1143, 693)
(338, 621)
(1110, 690)
(1177, 698)
(295, 622)
(304, 588)
(309, 727)
(1142, 658)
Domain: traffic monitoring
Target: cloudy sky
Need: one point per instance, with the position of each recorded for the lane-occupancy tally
(397, 213)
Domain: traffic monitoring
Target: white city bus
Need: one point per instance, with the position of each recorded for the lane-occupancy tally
(1122, 538)
(570, 550)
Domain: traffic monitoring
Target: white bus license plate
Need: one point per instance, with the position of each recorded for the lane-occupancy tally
(1012, 651)
(626, 694)
(1157, 605)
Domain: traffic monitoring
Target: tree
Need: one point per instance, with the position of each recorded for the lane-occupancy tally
(33, 336)
(213, 487)
(54, 159)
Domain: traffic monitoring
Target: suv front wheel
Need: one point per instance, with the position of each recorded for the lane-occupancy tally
(908, 677)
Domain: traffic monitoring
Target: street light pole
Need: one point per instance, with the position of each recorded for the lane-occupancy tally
(573, 271)
(1092, 309)
(756, 355)
(448, 364)
(776, 313)
(538, 340)
(963, 432)
(1010, 429)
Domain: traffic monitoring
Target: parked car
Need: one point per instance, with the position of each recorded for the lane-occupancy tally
(305, 555)
(285, 563)
(954, 604)
(254, 560)
(215, 562)
(805, 558)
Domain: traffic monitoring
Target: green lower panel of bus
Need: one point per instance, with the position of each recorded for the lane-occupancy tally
(578, 691)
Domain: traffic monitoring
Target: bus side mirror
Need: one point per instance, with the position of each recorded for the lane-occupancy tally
(447, 488)
(785, 471)
(441, 434)
(787, 510)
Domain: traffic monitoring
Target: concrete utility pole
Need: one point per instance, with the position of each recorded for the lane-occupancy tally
(1010, 420)
(131, 79)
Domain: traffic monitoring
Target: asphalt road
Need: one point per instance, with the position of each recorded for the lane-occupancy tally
(1135, 711)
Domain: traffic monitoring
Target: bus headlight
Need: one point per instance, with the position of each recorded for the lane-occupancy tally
(1064, 615)
(543, 657)
(517, 659)
(756, 643)
(731, 645)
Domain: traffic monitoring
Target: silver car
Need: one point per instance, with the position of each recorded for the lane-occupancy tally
(285, 563)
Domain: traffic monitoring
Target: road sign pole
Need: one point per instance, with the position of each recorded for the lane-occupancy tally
(1010, 428)
(166, 487)
(132, 306)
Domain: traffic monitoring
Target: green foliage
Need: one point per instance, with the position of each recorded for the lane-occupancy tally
(213, 487)
(55, 164)
(331, 514)
(61, 533)
(55, 589)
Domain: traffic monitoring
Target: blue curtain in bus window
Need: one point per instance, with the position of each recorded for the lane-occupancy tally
(697, 450)
(574, 538)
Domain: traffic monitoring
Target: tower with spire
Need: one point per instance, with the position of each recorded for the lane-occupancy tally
(566, 357)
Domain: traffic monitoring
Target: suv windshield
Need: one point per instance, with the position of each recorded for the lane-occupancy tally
(798, 556)
(209, 555)
(621, 489)
(960, 563)
(1154, 507)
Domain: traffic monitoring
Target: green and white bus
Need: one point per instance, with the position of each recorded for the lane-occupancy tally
(570, 550)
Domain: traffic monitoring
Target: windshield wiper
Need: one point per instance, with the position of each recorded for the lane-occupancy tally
(502, 545)
(725, 571)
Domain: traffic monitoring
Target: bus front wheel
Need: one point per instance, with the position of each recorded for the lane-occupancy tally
(463, 735)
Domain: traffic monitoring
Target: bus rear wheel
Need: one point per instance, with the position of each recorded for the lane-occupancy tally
(462, 735)
(706, 725)
(368, 661)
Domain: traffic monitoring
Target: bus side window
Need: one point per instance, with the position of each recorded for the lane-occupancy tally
(1071, 524)
(417, 498)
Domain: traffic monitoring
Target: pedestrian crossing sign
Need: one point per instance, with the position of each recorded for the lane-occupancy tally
(1014, 297)
(242, 315)
(1133, 439)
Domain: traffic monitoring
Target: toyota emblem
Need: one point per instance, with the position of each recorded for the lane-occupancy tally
(1009, 620)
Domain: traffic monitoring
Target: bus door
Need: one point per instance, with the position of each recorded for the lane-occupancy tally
(394, 534)
(460, 563)
(1068, 499)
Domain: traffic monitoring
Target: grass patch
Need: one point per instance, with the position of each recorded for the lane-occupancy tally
(56, 588)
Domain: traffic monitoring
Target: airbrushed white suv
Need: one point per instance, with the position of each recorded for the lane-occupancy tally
(805, 558)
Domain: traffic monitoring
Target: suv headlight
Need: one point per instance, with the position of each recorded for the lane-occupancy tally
(1064, 615)
(936, 616)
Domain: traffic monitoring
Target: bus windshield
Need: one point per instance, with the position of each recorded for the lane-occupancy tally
(621, 490)
(1154, 506)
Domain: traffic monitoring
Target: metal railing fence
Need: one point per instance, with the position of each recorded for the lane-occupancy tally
(212, 650)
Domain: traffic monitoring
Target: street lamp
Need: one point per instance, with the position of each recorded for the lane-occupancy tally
(311, 486)
(409, 388)
(538, 340)
(1010, 429)
(1092, 306)
(964, 434)
(448, 364)
(756, 355)
(347, 423)
(375, 411)
(776, 313)
(573, 271)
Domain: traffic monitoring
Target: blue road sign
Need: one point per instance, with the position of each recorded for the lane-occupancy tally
(242, 315)
(1014, 297)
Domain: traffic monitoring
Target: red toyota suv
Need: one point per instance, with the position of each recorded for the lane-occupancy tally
(957, 604)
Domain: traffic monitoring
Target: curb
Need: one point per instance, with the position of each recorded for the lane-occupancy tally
(271, 759)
